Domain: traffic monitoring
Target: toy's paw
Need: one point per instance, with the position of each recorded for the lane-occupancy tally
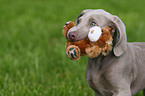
(66, 27)
(93, 52)
(73, 52)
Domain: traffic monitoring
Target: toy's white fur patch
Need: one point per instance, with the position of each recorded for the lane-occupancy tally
(94, 33)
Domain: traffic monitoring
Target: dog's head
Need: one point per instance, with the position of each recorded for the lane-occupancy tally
(99, 17)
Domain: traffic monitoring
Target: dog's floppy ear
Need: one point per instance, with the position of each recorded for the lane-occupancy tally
(121, 42)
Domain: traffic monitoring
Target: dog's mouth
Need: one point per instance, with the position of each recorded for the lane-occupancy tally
(74, 37)
(93, 34)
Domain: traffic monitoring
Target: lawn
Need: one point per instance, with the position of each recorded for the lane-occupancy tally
(32, 55)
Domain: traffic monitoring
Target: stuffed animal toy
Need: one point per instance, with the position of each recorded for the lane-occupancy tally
(99, 41)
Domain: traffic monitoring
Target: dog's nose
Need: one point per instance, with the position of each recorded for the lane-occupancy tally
(72, 36)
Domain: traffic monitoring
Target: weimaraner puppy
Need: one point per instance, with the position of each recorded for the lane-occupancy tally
(122, 71)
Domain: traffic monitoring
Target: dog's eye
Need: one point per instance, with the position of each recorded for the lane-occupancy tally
(93, 24)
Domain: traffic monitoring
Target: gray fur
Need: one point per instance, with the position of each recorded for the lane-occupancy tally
(122, 71)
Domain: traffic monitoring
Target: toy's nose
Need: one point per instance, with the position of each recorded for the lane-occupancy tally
(72, 36)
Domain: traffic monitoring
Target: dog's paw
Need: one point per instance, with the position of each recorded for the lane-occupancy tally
(66, 27)
(73, 52)
(93, 52)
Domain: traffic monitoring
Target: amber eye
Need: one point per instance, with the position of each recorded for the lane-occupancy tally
(93, 24)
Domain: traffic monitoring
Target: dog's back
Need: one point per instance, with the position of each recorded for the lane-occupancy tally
(138, 81)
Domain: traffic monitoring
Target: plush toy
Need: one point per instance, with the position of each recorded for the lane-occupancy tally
(99, 41)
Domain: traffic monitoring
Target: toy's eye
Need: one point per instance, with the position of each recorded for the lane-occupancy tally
(93, 24)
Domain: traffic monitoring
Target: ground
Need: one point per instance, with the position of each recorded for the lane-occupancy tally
(32, 54)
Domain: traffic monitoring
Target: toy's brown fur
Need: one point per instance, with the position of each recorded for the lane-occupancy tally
(82, 44)
(66, 28)
(92, 49)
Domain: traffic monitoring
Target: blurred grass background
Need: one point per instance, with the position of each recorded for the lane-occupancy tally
(32, 54)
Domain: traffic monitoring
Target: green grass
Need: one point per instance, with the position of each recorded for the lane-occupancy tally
(32, 54)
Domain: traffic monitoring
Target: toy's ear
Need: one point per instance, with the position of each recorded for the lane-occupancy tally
(66, 27)
(120, 38)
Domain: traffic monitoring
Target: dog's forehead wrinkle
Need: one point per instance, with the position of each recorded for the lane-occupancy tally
(82, 25)
(80, 15)
(82, 21)
(100, 20)
(78, 21)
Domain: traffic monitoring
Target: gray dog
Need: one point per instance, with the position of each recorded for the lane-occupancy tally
(122, 71)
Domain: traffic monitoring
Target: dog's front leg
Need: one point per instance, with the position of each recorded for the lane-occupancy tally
(123, 92)
(97, 94)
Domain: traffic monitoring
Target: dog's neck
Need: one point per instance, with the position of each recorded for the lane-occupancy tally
(101, 61)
